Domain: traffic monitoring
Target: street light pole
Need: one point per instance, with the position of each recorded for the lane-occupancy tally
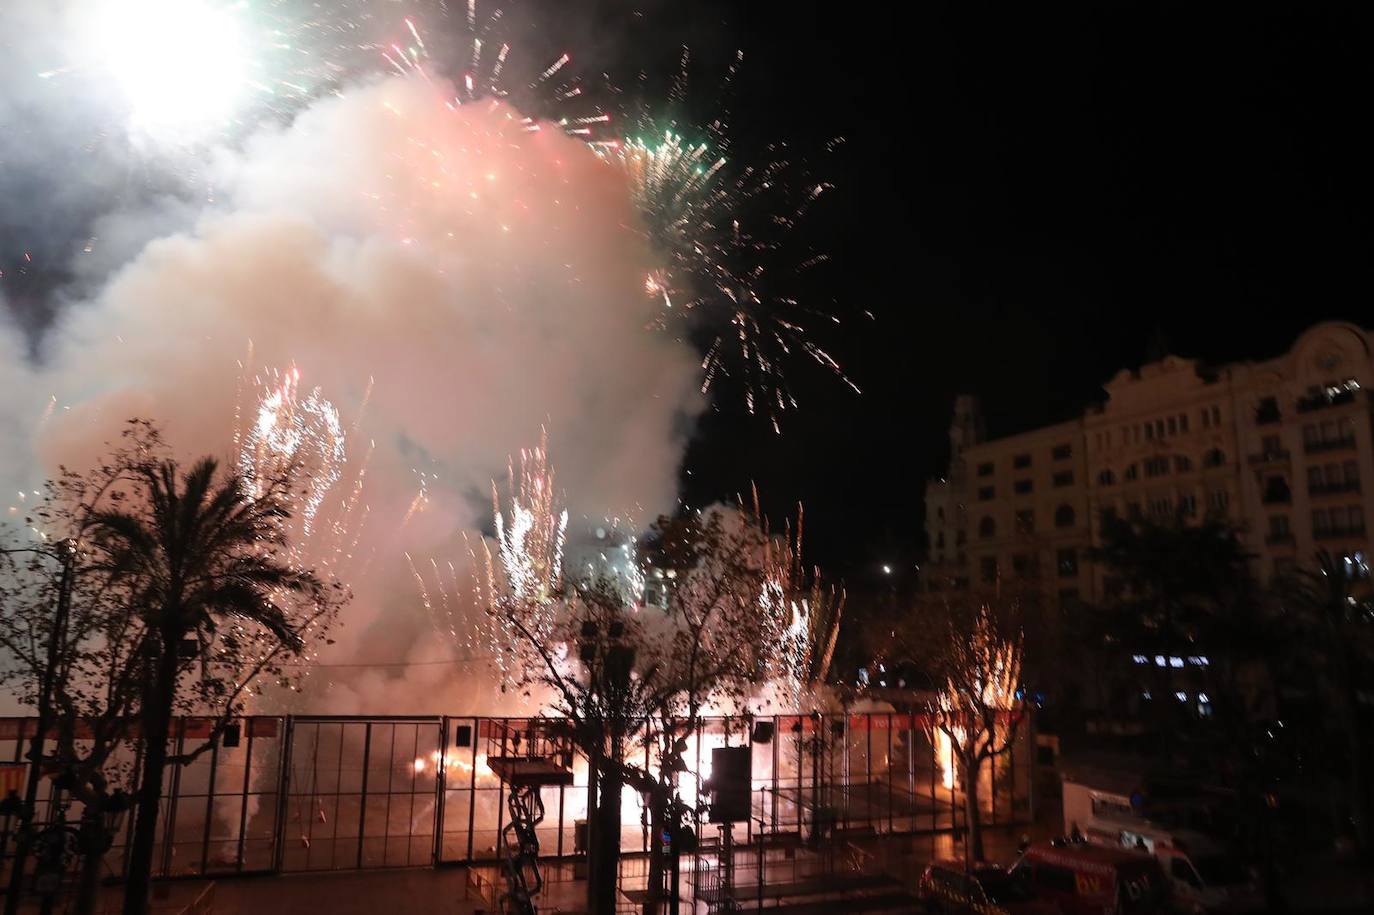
(23, 837)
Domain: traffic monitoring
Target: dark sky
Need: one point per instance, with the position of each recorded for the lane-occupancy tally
(1027, 198)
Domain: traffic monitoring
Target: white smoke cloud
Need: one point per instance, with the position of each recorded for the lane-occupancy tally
(489, 281)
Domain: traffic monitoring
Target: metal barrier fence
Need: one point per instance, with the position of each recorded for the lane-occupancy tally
(313, 793)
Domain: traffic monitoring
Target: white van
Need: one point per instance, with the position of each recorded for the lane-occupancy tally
(1204, 876)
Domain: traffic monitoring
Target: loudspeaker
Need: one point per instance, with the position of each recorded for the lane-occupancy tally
(763, 732)
(462, 735)
(230, 737)
(731, 771)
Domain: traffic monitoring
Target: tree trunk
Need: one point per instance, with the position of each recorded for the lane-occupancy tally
(973, 824)
(607, 861)
(157, 718)
(93, 845)
(656, 826)
(593, 826)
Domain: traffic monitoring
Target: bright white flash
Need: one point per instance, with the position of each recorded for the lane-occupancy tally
(180, 63)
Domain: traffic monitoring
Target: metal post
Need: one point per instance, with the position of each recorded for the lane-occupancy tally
(472, 783)
(760, 894)
(890, 825)
(777, 762)
(440, 793)
(209, 809)
(362, 797)
(59, 635)
(169, 829)
(283, 793)
(247, 786)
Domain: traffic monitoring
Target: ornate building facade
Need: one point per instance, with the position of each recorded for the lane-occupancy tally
(1282, 448)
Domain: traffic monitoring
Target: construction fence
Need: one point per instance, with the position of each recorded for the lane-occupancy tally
(318, 793)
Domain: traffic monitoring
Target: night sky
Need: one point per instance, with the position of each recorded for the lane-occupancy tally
(1028, 199)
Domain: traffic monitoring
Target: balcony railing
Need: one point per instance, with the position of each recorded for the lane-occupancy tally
(1330, 489)
(1276, 497)
(1334, 533)
(1329, 444)
(1267, 417)
(1276, 539)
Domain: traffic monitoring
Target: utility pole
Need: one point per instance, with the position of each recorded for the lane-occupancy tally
(24, 836)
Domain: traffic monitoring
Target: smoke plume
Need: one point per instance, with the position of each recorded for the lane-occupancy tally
(482, 279)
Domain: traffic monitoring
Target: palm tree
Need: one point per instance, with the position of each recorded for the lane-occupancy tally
(204, 551)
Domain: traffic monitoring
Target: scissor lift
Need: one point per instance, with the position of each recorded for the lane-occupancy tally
(526, 756)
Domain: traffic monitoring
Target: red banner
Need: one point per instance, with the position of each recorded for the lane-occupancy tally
(12, 778)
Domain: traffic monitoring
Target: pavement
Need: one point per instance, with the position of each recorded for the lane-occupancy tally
(1316, 883)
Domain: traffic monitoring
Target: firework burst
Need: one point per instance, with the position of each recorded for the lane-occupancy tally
(803, 611)
(298, 437)
(739, 284)
(519, 576)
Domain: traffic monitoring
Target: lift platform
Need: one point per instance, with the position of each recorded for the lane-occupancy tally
(526, 756)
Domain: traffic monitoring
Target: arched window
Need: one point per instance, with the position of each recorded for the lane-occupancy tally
(1064, 516)
(1182, 463)
(1106, 478)
(987, 528)
(1132, 472)
(1214, 458)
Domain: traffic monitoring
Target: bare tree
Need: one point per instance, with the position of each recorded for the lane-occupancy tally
(628, 684)
(969, 654)
(177, 604)
(976, 708)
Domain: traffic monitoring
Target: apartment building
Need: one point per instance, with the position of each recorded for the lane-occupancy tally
(1281, 448)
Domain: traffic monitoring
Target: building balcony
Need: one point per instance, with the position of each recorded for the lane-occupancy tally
(1332, 489)
(1280, 456)
(1276, 497)
(1325, 401)
(1279, 539)
(1336, 533)
(1331, 444)
(1267, 417)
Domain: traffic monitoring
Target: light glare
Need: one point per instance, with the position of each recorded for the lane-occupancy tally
(178, 62)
